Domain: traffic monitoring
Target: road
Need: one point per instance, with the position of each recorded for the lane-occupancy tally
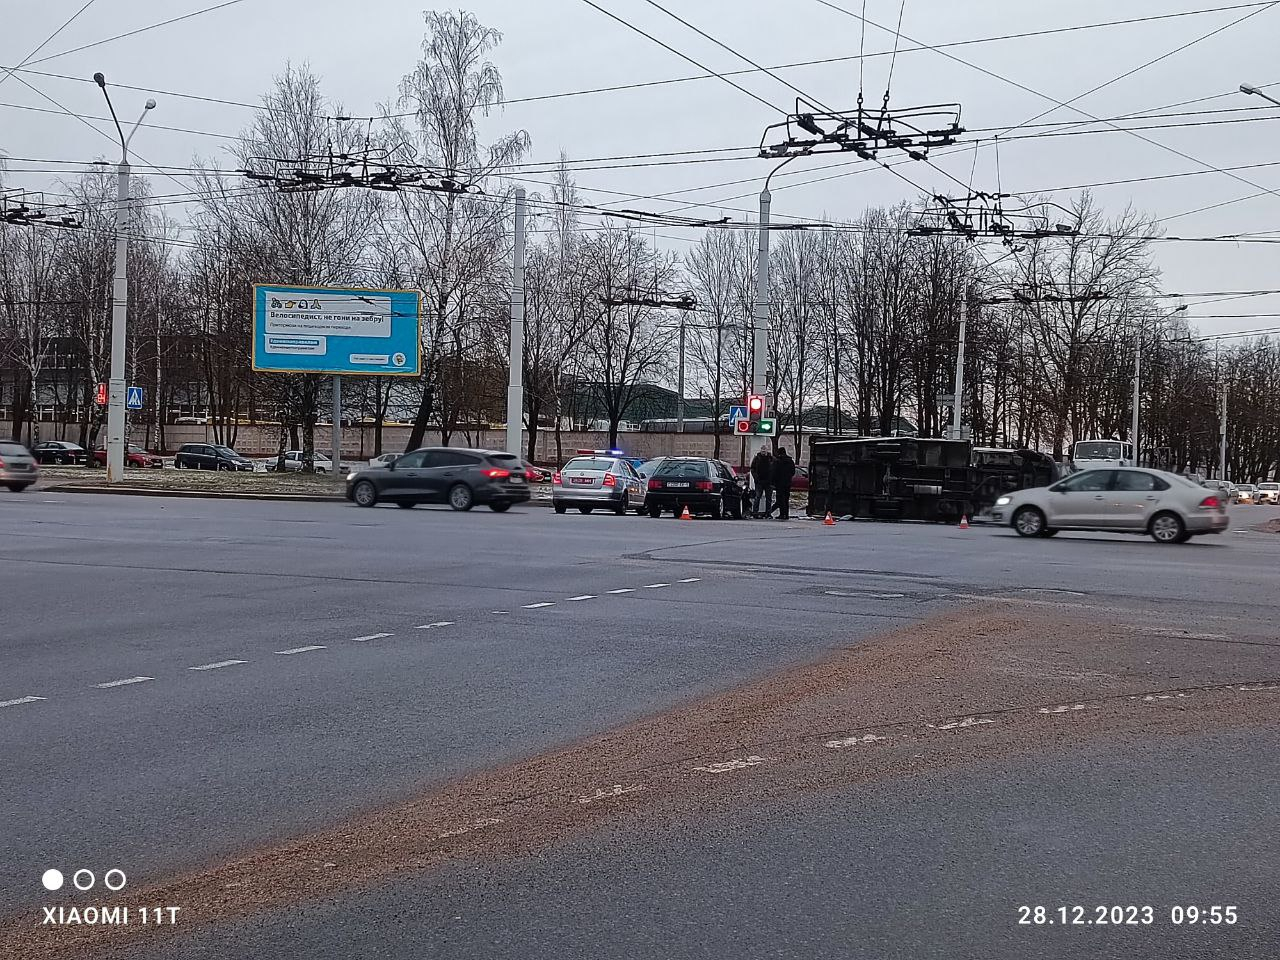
(328, 731)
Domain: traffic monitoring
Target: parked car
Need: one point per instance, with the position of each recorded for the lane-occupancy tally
(1172, 509)
(1245, 493)
(1267, 492)
(134, 456)
(610, 483)
(703, 485)
(536, 474)
(209, 456)
(59, 452)
(293, 462)
(382, 459)
(457, 476)
(18, 468)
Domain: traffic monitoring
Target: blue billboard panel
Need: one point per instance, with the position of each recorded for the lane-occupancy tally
(336, 330)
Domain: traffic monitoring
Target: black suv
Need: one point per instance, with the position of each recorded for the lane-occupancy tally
(209, 456)
(702, 485)
(453, 475)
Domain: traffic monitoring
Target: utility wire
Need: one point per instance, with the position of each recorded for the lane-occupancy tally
(45, 42)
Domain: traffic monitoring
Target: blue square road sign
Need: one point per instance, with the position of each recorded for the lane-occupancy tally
(133, 398)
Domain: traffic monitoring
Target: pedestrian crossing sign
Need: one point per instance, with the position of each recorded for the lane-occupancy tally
(133, 398)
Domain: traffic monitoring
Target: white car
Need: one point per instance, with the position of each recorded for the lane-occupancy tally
(1246, 493)
(383, 459)
(1267, 493)
(293, 462)
(1172, 509)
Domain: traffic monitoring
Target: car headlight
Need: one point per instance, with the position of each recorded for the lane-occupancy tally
(1004, 501)
(351, 476)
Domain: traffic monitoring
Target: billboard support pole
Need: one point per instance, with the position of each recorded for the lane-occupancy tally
(337, 426)
(515, 382)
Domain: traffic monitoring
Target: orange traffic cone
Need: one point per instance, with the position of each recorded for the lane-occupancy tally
(964, 521)
(686, 515)
(829, 521)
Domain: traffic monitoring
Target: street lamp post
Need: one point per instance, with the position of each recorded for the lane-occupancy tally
(119, 296)
(1250, 90)
(760, 312)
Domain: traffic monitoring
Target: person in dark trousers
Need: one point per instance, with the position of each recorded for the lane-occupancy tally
(784, 470)
(762, 479)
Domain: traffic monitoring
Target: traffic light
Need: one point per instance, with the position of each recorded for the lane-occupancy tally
(755, 407)
(766, 427)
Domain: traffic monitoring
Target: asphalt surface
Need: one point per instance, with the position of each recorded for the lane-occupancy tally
(356, 660)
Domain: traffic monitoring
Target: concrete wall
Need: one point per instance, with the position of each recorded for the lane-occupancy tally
(357, 442)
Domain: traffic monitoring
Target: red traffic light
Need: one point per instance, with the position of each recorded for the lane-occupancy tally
(755, 406)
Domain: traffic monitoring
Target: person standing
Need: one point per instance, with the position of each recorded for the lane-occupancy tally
(784, 470)
(762, 480)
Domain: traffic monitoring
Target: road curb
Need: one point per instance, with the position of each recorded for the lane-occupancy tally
(197, 494)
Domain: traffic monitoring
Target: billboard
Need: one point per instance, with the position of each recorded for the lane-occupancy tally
(347, 330)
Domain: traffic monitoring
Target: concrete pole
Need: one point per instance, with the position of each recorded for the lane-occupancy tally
(515, 383)
(680, 381)
(1222, 426)
(760, 343)
(337, 426)
(1137, 395)
(957, 405)
(119, 327)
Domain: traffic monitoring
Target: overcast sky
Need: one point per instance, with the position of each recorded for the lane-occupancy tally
(361, 50)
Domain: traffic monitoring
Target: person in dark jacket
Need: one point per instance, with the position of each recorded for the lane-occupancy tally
(784, 470)
(762, 480)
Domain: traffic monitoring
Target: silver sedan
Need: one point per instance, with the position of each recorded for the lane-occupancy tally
(610, 483)
(1170, 508)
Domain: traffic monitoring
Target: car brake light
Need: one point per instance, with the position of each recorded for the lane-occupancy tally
(705, 485)
(1211, 503)
(497, 473)
(610, 480)
(655, 485)
(555, 476)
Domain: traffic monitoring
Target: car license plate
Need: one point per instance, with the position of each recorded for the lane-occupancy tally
(674, 486)
(516, 478)
(582, 480)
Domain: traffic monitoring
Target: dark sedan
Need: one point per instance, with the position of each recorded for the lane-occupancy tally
(702, 485)
(457, 476)
(58, 451)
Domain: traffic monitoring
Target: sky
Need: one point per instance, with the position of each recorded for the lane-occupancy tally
(362, 50)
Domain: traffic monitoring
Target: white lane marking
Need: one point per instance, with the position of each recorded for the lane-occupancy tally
(654, 586)
(1157, 697)
(219, 665)
(689, 580)
(499, 613)
(372, 636)
(431, 626)
(870, 596)
(624, 590)
(1065, 708)
(1175, 633)
(122, 683)
(853, 741)
(585, 596)
(617, 791)
(960, 724)
(539, 606)
(292, 650)
(726, 766)
(20, 701)
(1246, 688)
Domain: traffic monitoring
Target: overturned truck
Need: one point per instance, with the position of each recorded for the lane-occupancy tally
(916, 478)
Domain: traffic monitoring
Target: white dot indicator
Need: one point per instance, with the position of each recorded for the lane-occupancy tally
(52, 879)
(118, 885)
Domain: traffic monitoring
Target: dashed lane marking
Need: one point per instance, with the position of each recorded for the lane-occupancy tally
(654, 586)
(219, 665)
(122, 683)
(20, 701)
(539, 606)
(292, 650)
(728, 766)
(690, 580)
(372, 636)
(432, 626)
(961, 724)
(624, 590)
(853, 741)
(617, 790)
(1066, 708)
(500, 613)
(585, 596)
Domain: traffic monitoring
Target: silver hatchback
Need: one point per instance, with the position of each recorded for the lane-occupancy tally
(587, 482)
(1172, 509)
